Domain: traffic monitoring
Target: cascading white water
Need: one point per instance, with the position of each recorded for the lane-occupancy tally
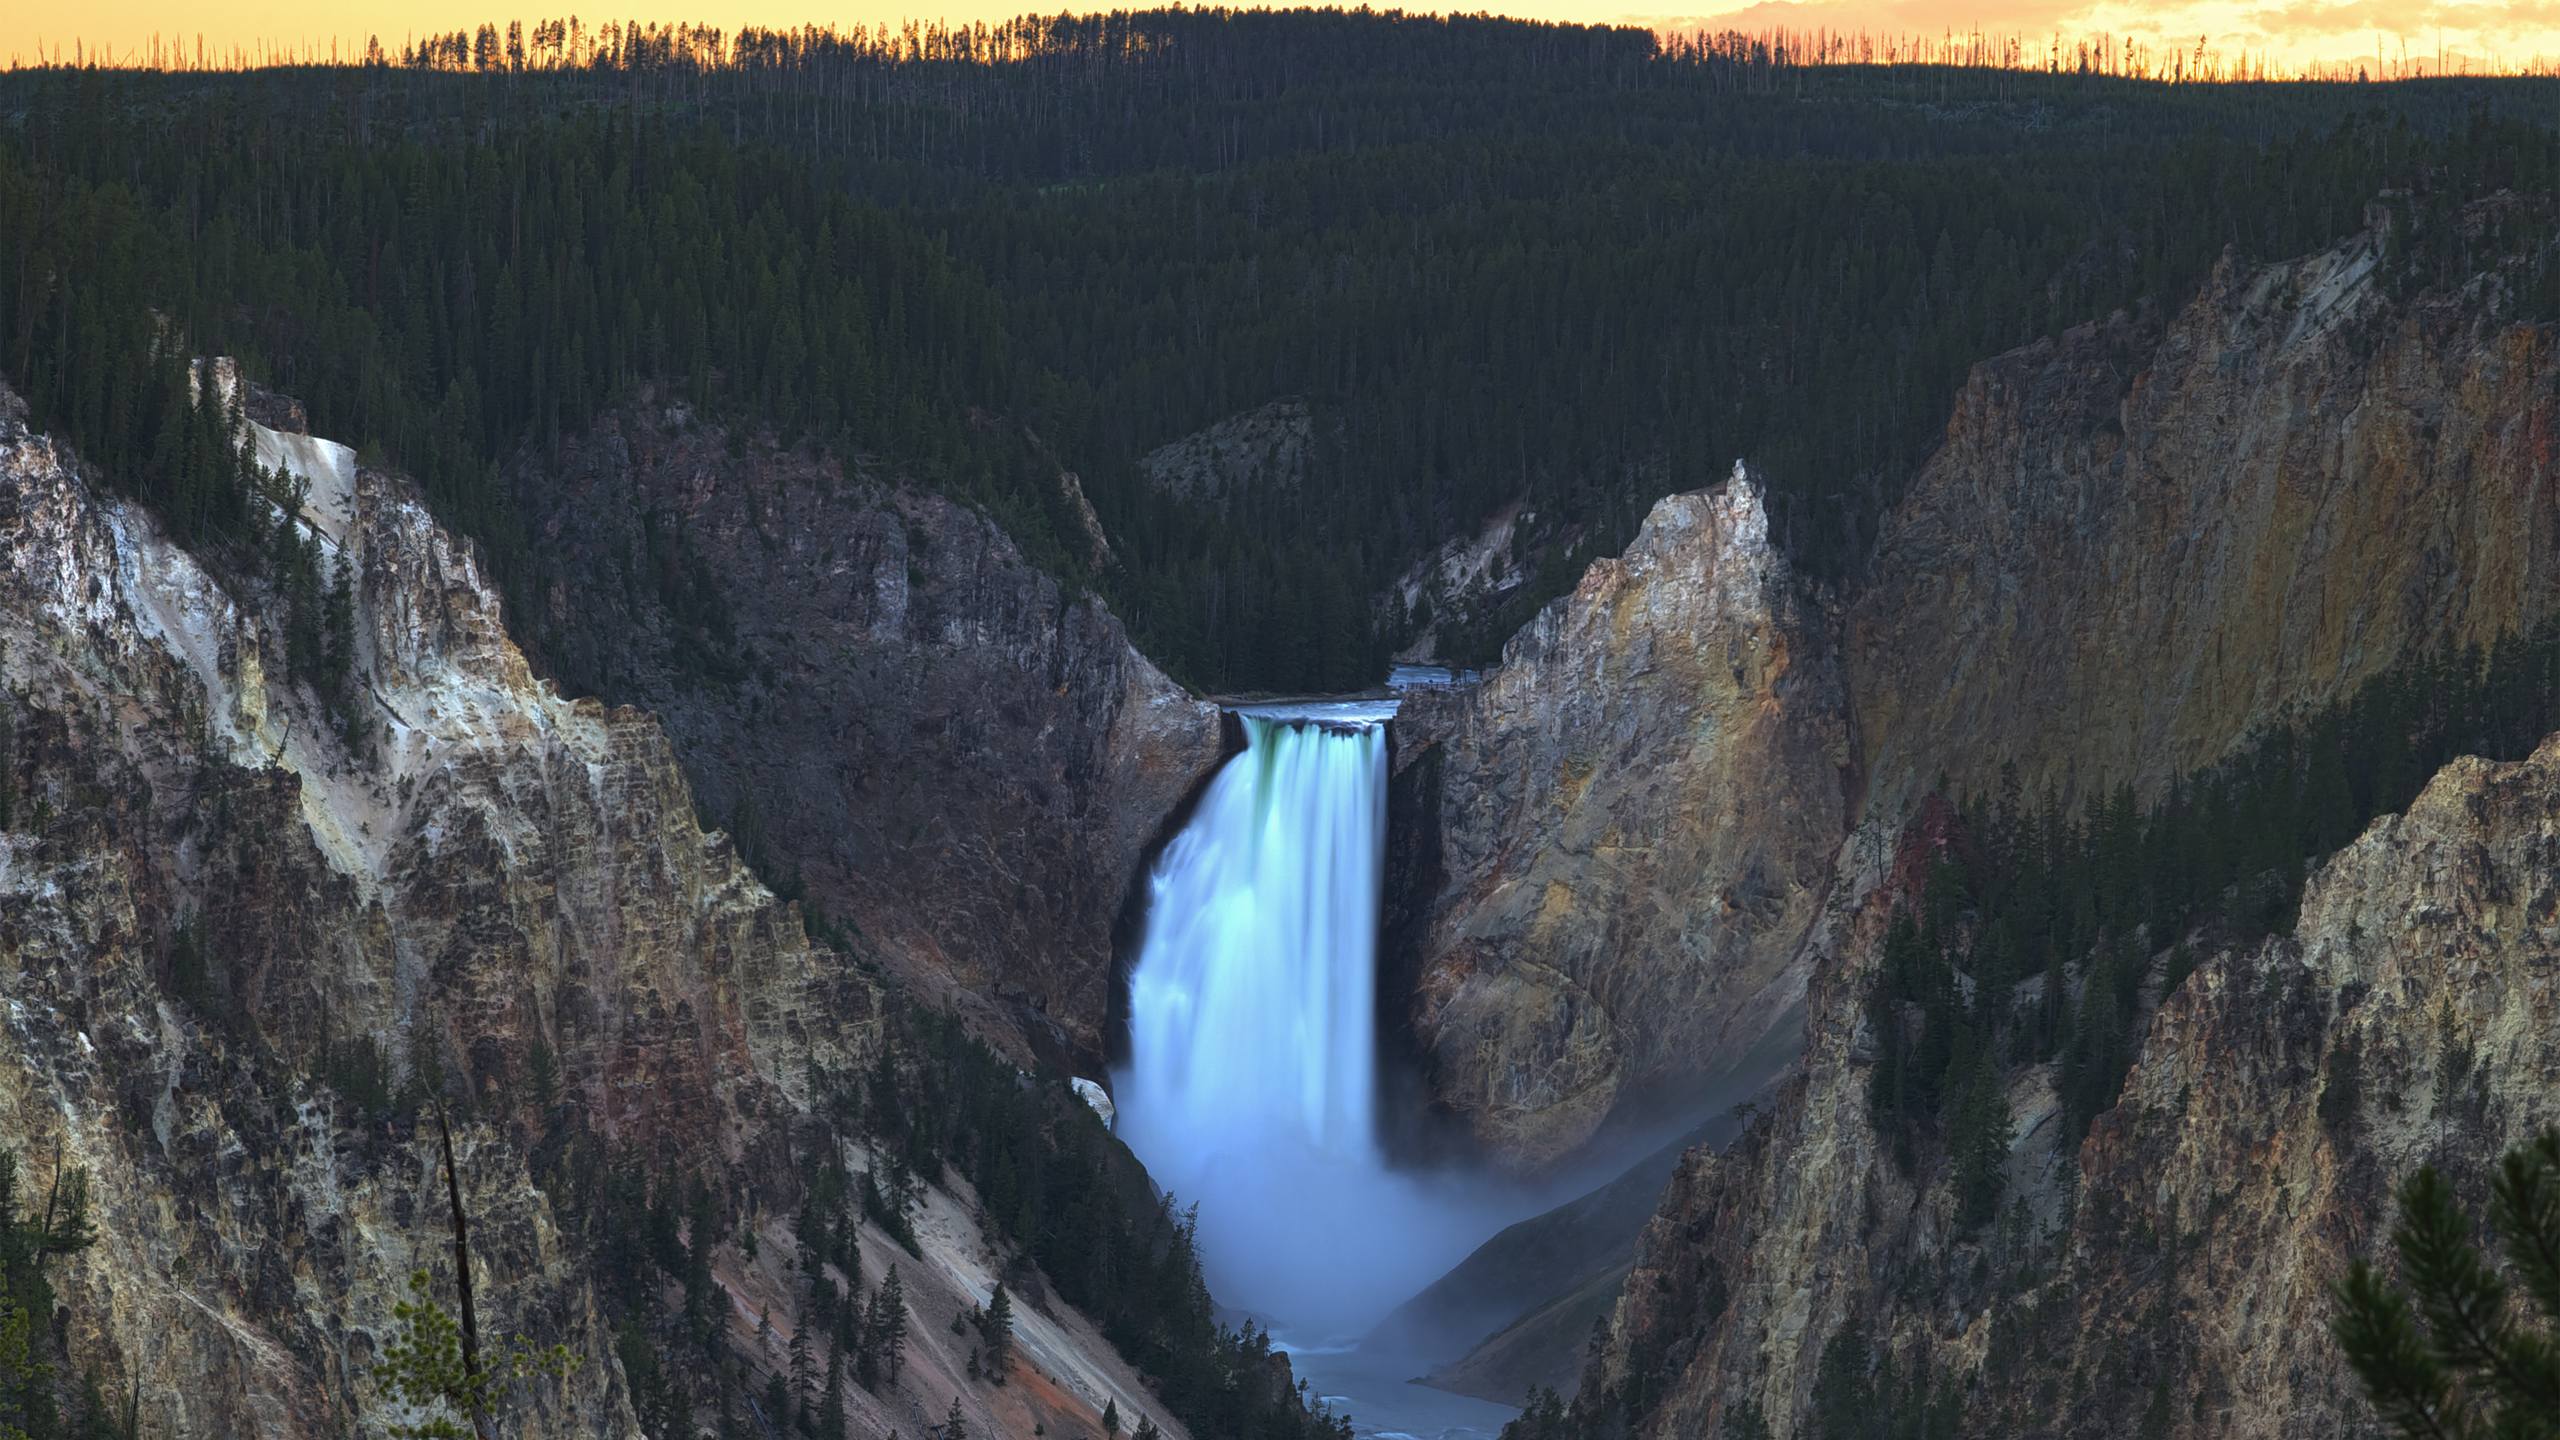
(1249, 1012)
(1252, 1075)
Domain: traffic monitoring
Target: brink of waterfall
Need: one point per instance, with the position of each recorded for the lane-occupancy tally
(1251, 1086)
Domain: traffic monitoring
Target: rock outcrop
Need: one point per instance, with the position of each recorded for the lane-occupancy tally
(1265, 449)
(2139, 540)
(963, 761)
(220, 925)
(1637, 815)
(2178, 1264)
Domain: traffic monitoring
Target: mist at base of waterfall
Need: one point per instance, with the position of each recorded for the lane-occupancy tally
(1318, 1246)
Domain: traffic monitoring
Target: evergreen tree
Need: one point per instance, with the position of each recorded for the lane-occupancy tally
(996, 1326)
(32, 1237)
(2448, 1356)
(831, 1403)
(1979, 1142)
(804, 1370)
(955, 1426)
(429, 1366)
(887, 1323)
(338, 652)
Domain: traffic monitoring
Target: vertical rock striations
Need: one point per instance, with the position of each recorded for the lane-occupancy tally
(202, 902)
(2175, 1264)
(1638, 811)
(963, 760)
(2137, 541)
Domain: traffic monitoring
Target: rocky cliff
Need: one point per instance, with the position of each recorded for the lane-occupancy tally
(2139, 539)
(2170, 1272)
(222, 926)
(1637, 813)
(963, 761)
(2137, 543)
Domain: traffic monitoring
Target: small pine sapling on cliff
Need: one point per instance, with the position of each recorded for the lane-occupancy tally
(434, 1367)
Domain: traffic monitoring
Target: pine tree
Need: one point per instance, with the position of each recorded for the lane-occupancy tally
(885, 1328)
(831, 1405)
(955, 1426)
(1110, 1417)
(2448, 1360)
(804, 1368)
(338, 652)
(542, 1068)
(997, 1328)
(809, 1231)
(1979, 1142)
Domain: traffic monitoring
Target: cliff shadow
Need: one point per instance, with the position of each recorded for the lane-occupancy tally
(1416, 1128)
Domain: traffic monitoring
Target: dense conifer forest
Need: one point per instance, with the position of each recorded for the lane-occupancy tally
(1501, 262)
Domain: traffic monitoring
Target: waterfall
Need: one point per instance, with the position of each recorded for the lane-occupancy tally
(1251, 1083)
(1250, 1009)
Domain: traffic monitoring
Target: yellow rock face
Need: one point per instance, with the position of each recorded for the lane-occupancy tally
(496, 868)
(2136, 543)
(1640, 808)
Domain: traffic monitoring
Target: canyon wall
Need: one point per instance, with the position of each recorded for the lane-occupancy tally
(2138, 542)
(2169, 1274)
(220, 920)
(2138, 539)
(1638, 809)
(961, 759)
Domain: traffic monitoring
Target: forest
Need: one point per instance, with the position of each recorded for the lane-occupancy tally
(1069, 1205)
(1503, 264)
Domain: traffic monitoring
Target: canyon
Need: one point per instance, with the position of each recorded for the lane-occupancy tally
(2137, 542)
(1640, 872)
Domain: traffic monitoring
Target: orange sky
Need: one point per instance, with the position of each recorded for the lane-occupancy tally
(2291, 32)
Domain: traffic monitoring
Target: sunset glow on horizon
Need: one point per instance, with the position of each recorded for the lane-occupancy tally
(2383, 37)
